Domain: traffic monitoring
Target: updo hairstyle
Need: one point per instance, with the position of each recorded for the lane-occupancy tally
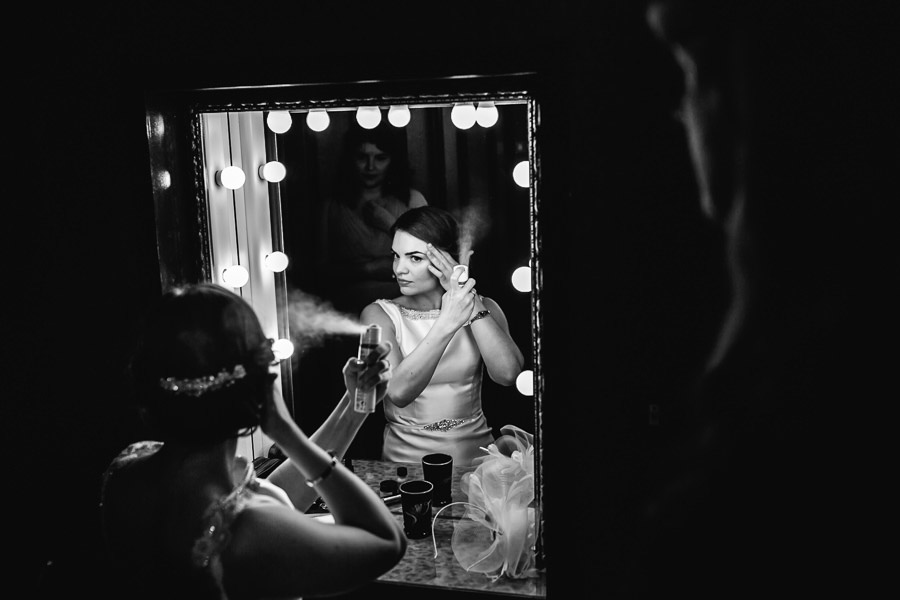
(201, 331)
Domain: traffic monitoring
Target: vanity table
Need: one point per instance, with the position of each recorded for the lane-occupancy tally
(419, 567)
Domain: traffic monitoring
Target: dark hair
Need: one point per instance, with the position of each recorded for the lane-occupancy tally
(198, 331)
(433, 225)
(389, 140)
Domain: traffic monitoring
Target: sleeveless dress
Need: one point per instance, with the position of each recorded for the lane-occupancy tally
(447, 415)
(206, 553)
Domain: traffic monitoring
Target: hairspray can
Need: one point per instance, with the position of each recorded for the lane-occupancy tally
(364, 401)
(464, 276)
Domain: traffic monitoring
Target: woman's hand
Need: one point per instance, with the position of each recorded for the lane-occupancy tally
(460, 299)
(442, 266)
(458, 302)
(374, 371)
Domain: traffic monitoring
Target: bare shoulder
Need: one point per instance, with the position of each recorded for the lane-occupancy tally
(131, 474)
(375, 314)
(416, 198)
(129, 507)
(372, 313)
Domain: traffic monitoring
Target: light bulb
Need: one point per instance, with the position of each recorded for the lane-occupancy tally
(486, 114)
(463, 115)
(276, 261)
(521, 175)
(368, 117)
(521, 279)
(236, 276)
(279, 121)
(158, 126)
(282, 349)
(273, 171)
(163, 180)
(525, 382)
(231, 177)
(318, 119)
(398, 116)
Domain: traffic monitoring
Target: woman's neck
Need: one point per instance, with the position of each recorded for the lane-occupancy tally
(430, 300)
(209, 462)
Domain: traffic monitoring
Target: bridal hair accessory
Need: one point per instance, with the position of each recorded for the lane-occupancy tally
(197, 386)
(497, 535)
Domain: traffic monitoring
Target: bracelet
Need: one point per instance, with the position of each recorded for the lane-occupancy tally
(325, 473)
(479, 315)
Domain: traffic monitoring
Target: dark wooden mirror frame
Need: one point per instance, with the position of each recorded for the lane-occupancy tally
(178, 179)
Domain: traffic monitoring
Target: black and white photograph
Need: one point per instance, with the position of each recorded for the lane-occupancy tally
(524, 299)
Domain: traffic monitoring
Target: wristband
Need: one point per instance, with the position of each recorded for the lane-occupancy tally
(325, 473)
(479, 315)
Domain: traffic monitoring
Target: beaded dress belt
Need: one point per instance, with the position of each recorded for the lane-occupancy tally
(444, 424)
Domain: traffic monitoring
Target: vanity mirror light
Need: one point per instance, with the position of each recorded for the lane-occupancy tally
(239, 178)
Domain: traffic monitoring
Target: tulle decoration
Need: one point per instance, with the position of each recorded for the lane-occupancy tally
(496, 535)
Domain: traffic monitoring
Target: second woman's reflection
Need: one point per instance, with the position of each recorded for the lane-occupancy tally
(372, 189)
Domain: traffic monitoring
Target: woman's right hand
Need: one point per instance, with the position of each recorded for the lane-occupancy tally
(458, 302)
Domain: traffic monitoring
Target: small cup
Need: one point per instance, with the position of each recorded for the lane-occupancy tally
(416, 497)
(438, 469)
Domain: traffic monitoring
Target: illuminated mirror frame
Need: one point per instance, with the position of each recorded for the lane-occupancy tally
(184, 177)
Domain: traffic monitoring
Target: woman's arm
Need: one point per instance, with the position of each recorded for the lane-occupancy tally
(336, 433)
(502, 357)
(412, 373)
(276, 551)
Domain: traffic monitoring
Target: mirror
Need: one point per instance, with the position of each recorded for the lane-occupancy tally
(468, 171)
(196, 137)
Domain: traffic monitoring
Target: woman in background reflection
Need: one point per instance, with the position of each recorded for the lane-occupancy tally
(443, 336)
(184, 517)
(372, 189)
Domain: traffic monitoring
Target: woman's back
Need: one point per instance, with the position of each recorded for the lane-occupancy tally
(169, 535)
(146, 520)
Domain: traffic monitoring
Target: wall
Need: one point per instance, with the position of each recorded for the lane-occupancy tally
(633, 285)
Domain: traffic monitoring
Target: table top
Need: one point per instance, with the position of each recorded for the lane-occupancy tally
(420, 566)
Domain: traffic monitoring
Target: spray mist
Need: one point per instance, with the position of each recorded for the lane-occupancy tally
(364, 401)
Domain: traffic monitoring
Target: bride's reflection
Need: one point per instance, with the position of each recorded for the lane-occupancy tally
(444, 336)
(335, 225)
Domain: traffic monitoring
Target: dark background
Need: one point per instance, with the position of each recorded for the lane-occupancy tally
(632, 276)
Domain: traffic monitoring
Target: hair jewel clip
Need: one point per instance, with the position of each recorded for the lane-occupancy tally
(198, 386)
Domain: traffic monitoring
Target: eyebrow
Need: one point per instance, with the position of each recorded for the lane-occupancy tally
(413, 253)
